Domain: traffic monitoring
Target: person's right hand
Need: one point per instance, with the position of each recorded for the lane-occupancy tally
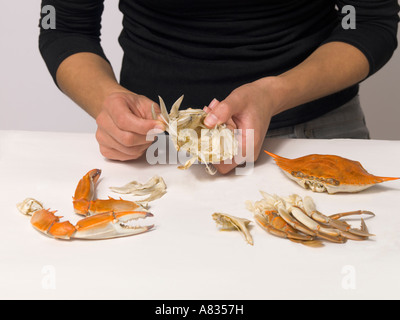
(123, 126)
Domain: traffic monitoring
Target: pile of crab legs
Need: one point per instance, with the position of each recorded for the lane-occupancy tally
(298, 220)
(104, 219)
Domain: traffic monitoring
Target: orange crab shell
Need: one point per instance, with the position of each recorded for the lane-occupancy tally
(47, 222)
(328, 173)
(85, 188)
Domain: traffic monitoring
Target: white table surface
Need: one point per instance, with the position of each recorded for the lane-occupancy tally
(185, 256)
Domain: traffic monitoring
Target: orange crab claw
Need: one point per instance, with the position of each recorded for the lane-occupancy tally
(98, 227)
(105, 218)
(111, 225)
(328, 173)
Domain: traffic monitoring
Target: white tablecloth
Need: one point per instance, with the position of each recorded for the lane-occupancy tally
(185, 256)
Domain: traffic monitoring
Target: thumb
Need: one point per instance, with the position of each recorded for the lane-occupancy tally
(220, 113)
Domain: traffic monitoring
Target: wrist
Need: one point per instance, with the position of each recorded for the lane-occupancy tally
(277, 90)
(108, 91)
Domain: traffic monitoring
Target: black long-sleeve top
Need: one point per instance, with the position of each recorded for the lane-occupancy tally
(207, 48)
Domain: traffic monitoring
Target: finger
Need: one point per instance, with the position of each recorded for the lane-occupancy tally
(125, 138)
(126, 120)
(142, 107)
(108, 141)
(247, 155)
(225, 168)
(211, 106)
(249, 147)
(113, 154)
(230, 124)
(213, 103)
(220, 113)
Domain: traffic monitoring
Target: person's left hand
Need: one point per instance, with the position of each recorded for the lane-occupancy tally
(249, 107)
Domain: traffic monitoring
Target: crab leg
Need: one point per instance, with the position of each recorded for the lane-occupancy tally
(362, 233)
(274, 224)
(283, 230)
(330, 232)
(285, 210)
(111, 225)
(313, 225)
(291, 220)
(351, 213)
(311, 211)
(85, 192)
(102, 226)
(104, 218)
(294, 223)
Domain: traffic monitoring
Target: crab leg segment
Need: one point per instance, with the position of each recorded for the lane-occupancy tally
(351, 213)
(111, 225)
(112, 205)
(48, 223)
(274, 224)
(311, 211)
(321, 231)
(294, 223)
(98, 227)
(313, 225)
(85, 191)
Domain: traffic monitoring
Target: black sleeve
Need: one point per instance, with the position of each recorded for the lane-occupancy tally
(376, 30)
(78, 25)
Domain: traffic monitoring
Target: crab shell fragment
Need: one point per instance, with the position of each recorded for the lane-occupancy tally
(228, 222)
(328, 173)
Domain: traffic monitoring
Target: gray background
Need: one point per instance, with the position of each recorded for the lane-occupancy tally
(29, 100)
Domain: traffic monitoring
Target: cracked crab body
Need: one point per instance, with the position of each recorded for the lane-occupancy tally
(189, 133)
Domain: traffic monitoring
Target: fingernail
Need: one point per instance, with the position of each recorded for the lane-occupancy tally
(211, 120)
(159, 129)
(213, 103)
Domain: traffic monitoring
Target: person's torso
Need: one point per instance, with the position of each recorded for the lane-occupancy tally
(225, 29)
(205, 49)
